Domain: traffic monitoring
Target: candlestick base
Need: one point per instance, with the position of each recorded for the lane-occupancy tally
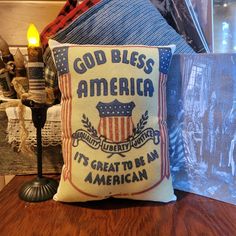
(38, 190)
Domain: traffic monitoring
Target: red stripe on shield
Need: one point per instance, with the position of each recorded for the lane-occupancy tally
(116, 129)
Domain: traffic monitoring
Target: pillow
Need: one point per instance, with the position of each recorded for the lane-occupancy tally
(117, 22)
(114, 134)
(120, 22)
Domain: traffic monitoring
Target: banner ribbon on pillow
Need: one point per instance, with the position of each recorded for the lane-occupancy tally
(115, 148)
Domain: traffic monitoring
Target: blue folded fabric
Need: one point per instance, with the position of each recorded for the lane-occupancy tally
(119, 22)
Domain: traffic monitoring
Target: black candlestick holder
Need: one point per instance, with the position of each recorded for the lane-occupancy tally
(41, 188)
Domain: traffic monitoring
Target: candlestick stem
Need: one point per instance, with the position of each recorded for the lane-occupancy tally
(41, 188)
(39, 152)
(39, 115)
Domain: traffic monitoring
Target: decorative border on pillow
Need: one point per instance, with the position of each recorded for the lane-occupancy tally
(65, 87)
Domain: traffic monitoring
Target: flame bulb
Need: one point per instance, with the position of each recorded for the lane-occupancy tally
(33, 36)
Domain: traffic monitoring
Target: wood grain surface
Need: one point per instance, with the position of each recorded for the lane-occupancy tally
(190, 215)
(2, 182)
(12, 162)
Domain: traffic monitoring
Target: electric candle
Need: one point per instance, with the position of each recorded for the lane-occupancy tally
(35, 67)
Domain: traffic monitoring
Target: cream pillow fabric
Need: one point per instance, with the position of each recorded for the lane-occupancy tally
(114, 132)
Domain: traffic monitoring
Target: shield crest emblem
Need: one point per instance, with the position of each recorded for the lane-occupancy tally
(115, 122)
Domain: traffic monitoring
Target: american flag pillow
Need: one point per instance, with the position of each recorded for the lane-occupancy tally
(114, 134)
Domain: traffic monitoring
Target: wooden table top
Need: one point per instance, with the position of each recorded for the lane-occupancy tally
(189, 215)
